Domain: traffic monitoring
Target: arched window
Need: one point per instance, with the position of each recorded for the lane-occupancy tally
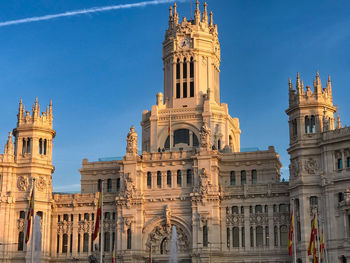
(159, 179)
(40, 146)
(191, 68)
(258, 209)
(189, 177)
(283, 208)
(168, 178)
(243, 237)
(232, 178)
(58, 244)
(251, 237)
(99, 185)
(20, 241)
(118, 184)
(28, 144)
(106, 242)
(307, 124)
(86, 242)
(205, 236)
(243, 177)
(275, 235)
(179, 178)
(259, 236)
(284, 235)
(109, 185)
(235, 233)
(234, 209)
(230, 141)
(87, 216)
(24, 144)
(184, 67)
(78, 243)
(313, 201)
(182, 136)
(254, 177)
(178, 69)
(149, 179)
(128, 234)
(228, 236)
(65, 243)
(45, 146)
(313, 124)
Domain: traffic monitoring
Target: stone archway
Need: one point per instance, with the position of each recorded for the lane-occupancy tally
(159, 240)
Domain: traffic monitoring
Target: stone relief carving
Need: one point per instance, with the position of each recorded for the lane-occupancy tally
(203, 184)
(22, 183)
(159, 240)
(40, 183)
(131, 140)
(295, 168)
(20, 224)
(311, 165)
(128, 190)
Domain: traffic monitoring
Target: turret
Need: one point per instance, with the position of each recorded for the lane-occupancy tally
(34, 133)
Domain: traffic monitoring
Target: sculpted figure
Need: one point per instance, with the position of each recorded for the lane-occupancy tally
(131, 140)
(205, 136)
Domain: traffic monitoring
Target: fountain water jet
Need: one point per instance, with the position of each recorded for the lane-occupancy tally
(173, 258)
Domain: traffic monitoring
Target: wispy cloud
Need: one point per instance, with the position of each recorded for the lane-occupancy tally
(83, 11)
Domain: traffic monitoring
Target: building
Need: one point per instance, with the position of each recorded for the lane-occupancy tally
(227, 205)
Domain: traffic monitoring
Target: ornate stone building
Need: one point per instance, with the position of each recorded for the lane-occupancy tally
(227, 205)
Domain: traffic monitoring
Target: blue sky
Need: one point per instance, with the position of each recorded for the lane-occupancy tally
(101, 70)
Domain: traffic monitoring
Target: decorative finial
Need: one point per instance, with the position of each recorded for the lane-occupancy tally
(197, 14)
(170, 12)
(338, 123)
(205, 14)
(290, 84)
(211, 22)
(298, 83)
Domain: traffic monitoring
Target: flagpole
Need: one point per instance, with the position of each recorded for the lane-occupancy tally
(170, 135)
(317, 236)
(33, 216)
(101, 225)
(295, 248)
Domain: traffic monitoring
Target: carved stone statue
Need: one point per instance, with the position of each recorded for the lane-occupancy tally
(205, 136)
(128, 190)
(131, 140)
(167, 215)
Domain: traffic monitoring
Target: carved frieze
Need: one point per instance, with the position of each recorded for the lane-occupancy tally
(22, 183)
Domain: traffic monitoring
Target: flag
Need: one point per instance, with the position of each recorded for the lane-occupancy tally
(312, 243)
(98, 217)
(29, 216)
(321, 245)
(291, 230)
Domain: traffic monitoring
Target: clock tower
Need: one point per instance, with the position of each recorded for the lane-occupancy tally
(191, 55)
(191, 100)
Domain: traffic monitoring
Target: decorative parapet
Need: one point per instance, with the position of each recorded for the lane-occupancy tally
(336, 133)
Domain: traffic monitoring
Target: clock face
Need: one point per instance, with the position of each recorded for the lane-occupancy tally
(184, 42)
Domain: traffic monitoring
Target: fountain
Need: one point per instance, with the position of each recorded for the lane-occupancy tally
(37, 240)
(173, 246)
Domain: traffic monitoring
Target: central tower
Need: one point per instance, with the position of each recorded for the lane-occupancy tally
(191, 100)
(191, 56)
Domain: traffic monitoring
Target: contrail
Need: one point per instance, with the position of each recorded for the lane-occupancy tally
(84, 11)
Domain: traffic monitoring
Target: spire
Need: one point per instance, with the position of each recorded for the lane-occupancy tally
(20, 114)
(329, 85)
(170, 12)
(9, 145)
(298, 87)
(211, 22)
(176, 15)
(338, 123)
(302, 86)
(197, 14)
(318, 89)
(290, 84)
(205, 14)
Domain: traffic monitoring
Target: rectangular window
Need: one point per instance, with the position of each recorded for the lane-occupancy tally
(78, 243)
(340, 164)
(191, 69)
(232, 178)
(235, 233)
(149, 179)
(177, 90)
(205, 236)
(128, 239)
(191, 89)
(179, 178)
(20, 241)
(118, 184)
(184, 92)
(348, 162)
(178, 70)
(189, 177)
(86, 242)
(71, 243)
(251, 237)
(58, 244)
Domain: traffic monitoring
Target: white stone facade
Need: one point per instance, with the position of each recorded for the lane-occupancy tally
(227, 205)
